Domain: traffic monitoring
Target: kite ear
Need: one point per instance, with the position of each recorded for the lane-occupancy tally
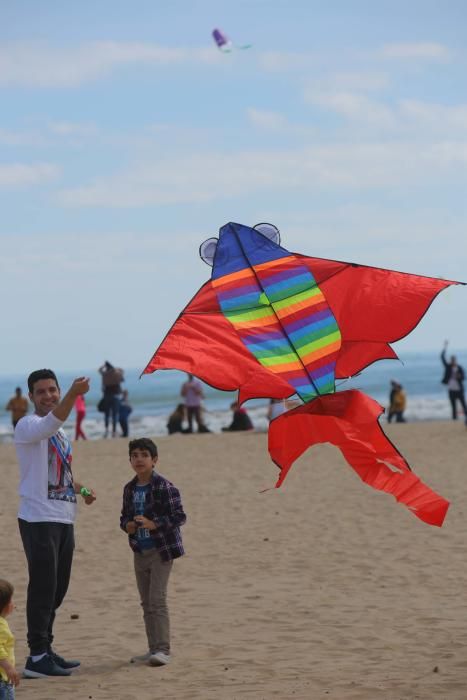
(207, 250)
(269, 231)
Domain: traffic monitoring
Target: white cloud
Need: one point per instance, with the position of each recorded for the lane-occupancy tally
(9, 137)
(416, 50)
(86, 273)
(449, 153)
(423, 119)
(72, 129)
(40, 65)
(362, 81)
(215, 176)
(21, 175)
(288, 60)
(435, 115)
(265, 119)
(353, 106)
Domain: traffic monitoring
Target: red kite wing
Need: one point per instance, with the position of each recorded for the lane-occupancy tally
(373, 307)
(349, 420)
(203, 342)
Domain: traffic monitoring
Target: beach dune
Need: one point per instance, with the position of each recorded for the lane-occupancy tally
(324, 588)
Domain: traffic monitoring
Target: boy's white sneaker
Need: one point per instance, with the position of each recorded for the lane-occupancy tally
(159, 659)
(143, 658)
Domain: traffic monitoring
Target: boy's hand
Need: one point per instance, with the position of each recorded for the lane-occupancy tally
(91, 498)
(141, 521)
(131, 527)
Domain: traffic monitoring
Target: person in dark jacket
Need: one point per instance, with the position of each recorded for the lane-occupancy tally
(124, 411)
(152, 514)
(240, 419)
(454, 377)
(175, 421)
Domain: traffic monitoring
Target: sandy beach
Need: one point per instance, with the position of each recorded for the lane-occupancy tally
(321, 589)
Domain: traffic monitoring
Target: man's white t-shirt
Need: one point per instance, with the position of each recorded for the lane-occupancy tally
(192, 391)
(46, 482)
(453, 383)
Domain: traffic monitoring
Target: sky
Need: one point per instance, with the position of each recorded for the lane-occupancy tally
(127, 139)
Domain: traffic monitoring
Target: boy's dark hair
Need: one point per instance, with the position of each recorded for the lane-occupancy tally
(6, 594)
(143, 444)
(39, 374)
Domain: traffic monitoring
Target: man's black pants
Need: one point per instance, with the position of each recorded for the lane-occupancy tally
(455, 396)
(49, 552)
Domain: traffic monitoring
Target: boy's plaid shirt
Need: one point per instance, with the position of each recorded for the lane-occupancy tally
(164, 507)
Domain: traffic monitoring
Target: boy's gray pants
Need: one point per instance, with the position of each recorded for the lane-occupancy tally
(152, 578)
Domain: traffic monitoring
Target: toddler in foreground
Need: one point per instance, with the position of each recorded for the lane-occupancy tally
(9, 676)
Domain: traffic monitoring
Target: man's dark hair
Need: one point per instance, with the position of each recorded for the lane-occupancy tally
(6, 594)
(39, 374)
(143, 444)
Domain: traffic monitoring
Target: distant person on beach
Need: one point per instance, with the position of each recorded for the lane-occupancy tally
(80, 408)
(124, 411)
(176, 419)
(9, 676)
(192, 392)
(152, 514)
(18, 405)
(454, 377)
(46, 513)
(240, 420)
(112, 378)
(397, 402)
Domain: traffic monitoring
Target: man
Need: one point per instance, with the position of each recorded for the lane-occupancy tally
(192, 392)
(112, 378)
(454, 379)
(46, 513)
(18, 405)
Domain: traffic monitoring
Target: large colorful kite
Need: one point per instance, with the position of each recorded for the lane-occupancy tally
(274, 324)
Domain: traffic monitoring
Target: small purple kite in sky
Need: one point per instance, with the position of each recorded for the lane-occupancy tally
(223, 42)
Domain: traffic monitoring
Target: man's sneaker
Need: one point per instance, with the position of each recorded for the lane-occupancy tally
(43, 668)
(63, 663)
(159, 659)
(142, 659)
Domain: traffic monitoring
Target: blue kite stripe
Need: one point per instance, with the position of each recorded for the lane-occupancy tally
(291, 284)
(324, 370)
(271, 280)
(238, 291)
(312, 328)
(304, 322)
(270, 350)
(239, 302)
(262, 336)
(322, 381)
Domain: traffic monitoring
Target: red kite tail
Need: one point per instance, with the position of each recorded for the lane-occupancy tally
(349, 420)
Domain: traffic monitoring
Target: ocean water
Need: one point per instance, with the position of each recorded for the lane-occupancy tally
(154, 396)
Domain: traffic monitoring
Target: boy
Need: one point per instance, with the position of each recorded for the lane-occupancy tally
(152, 514)
(9, 676)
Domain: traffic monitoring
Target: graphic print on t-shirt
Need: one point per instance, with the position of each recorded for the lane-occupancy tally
(60, 477)
(140, 494)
